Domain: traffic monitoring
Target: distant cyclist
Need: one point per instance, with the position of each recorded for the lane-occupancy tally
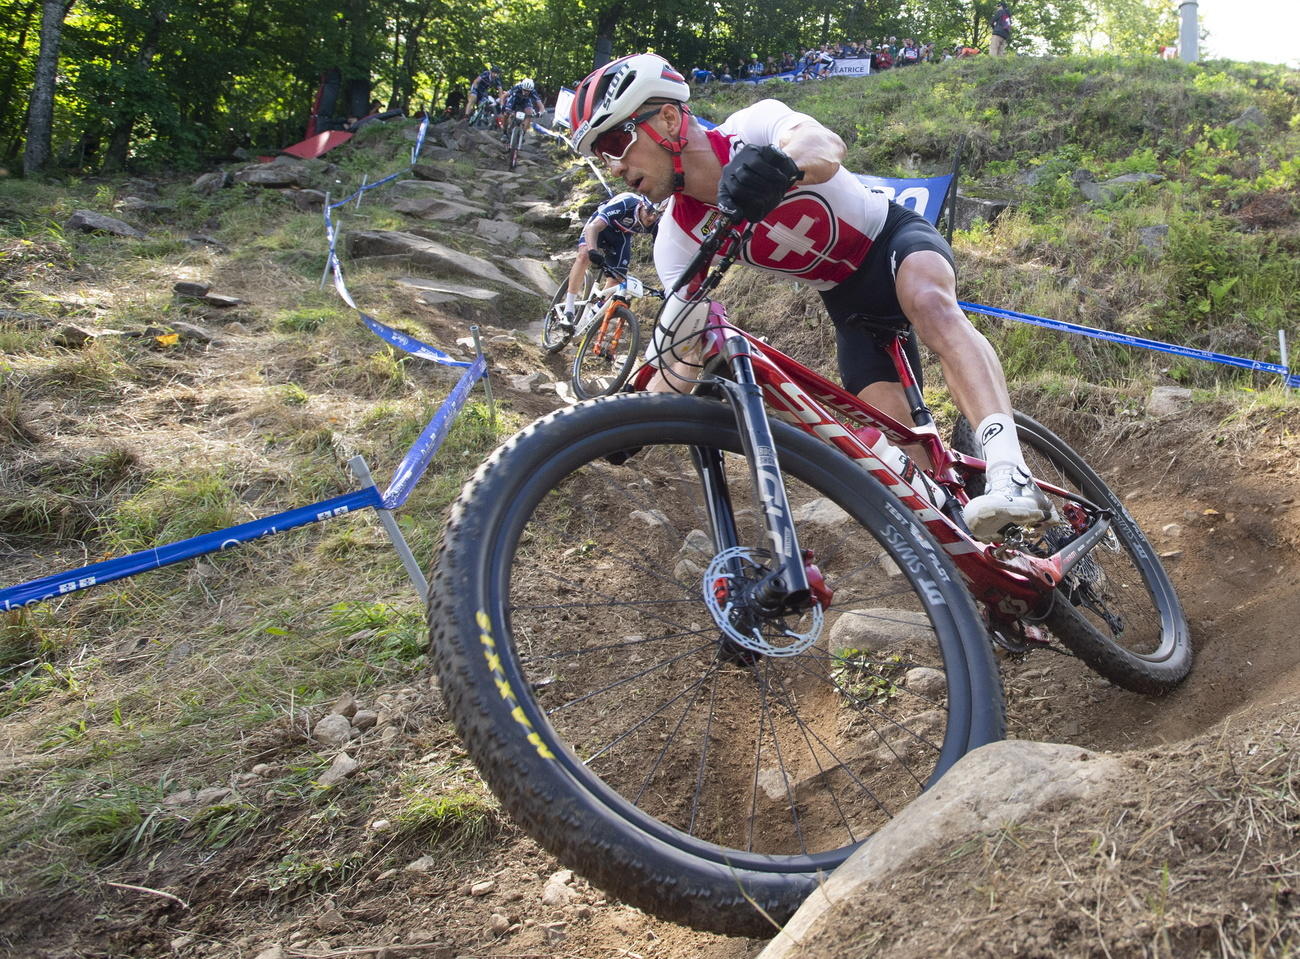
(484, 83)
(607, 241)
(523, 96)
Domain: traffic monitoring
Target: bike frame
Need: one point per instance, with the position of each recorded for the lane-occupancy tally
(1011, 583)
(600, 304)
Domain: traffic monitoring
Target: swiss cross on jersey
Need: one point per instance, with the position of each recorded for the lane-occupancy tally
(805, 238)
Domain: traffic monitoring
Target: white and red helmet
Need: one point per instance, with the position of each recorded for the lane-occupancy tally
(612, 93)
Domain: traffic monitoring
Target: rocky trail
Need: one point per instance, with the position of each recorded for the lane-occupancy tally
(1198, 787)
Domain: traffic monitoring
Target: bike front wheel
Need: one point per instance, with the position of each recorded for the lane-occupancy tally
(516, 139)
(606, 355)
(1117, 609)
(579, 619)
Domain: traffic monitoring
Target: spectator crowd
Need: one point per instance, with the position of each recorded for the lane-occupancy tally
(817, 63)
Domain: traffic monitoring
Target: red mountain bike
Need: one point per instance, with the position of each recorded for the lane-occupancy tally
(701, 654)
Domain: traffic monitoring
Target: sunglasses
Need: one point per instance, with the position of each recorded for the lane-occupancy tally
(612, 145)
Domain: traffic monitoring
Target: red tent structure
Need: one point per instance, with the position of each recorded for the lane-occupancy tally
(314, 146)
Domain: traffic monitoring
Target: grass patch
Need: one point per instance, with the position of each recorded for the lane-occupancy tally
(116, 821)
(173, 506)
(458, 818)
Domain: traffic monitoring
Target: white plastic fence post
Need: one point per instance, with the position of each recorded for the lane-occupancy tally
(362, 189)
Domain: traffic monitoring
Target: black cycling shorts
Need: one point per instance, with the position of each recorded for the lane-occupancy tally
(865, 306)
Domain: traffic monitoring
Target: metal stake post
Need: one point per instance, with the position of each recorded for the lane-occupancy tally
(1281, 345)
(329, 235)
(487, 382)
(362, 189)
(362, 472)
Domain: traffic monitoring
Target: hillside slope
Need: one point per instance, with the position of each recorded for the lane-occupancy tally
(161, 777)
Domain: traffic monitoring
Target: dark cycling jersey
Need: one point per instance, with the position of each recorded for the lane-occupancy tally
(615, 240)
(517, 98)
(484, 82)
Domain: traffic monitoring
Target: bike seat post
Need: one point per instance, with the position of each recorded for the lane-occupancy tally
(893, 345)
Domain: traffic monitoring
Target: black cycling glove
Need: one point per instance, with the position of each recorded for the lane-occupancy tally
(755, 181)
(596, 258)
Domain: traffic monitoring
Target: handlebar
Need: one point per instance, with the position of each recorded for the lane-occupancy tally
(699, 265)
(622, 276)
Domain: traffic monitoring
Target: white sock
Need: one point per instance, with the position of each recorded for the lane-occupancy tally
(1001, 444)
(568, 301)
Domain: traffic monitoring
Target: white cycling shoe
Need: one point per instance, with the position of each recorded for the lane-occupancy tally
(1011, 498)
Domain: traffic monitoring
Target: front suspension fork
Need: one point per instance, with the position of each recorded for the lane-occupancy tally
(786, 587)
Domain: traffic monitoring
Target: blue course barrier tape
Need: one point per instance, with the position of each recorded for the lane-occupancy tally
(410, 344)
(60, 584)
(417, 458)
(1292, 380)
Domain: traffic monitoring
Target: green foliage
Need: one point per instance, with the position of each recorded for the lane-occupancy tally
(865, 677)
(382, 631)
(298, 872)
(460, 817)
(308, 319)
(114, 822)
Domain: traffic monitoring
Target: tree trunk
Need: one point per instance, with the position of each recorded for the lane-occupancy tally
(119, 143)
(40, 115)
(605, 26)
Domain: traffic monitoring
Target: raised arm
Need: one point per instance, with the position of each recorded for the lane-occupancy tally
(815, 150)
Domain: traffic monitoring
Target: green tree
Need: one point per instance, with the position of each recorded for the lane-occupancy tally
(1131, 27)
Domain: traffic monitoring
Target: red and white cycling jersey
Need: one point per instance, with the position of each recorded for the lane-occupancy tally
(819, 235)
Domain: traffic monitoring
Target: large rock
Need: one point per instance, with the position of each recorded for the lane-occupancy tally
(534, 272)
(870, 630)
(1253, 117)
(1154, 238)
(436, 208)
(1114, 188)
(436, 292)
(425, 252)
(992, 787)
(1168, 400)
(544, 214)
(819, 512)
(88, 221)
(309, 201)
(210, 183)
(498, 231)
(431, 171)
(448, 191)
(972, 208)
(278, 175)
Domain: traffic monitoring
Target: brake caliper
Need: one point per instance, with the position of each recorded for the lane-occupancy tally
(821, 593)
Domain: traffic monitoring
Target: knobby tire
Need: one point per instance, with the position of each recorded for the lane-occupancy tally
(694, 779)
(553, 340)
(597, 370)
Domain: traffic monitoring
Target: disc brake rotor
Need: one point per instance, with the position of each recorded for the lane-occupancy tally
(724, 589)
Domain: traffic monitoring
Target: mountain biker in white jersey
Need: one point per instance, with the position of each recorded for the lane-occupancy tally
(523, 96)
(815, 222)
